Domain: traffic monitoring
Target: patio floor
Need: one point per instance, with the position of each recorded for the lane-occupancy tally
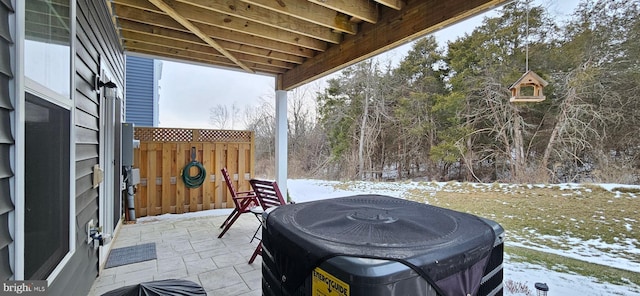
(189, 248)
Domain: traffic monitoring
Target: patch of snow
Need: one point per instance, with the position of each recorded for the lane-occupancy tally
(568, 186)
(165, 217)
(561, 283)
(611, 186)
(592, 251)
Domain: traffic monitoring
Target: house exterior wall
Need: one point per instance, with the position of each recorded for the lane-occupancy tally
(140, 91)
(95, 41)
(96, 48)
(7, 99)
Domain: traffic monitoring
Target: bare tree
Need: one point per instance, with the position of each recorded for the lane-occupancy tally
(219, 116)
(222, 118)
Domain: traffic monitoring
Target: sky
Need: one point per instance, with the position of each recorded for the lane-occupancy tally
(188, 92)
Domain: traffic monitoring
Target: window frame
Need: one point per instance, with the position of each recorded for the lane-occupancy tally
(71, 69)
(71, 182)
(24, 85)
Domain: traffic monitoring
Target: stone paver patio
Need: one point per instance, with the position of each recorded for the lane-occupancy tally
(189, 248)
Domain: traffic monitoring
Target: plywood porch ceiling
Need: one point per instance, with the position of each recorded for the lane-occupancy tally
(296, 40)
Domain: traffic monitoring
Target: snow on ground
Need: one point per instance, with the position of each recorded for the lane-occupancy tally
(164, 217)
(589, 250)
(610, 186)
(559, 283)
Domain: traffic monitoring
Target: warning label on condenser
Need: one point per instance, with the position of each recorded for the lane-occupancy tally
(324, 284)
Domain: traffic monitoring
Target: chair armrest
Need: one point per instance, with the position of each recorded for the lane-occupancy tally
(241, 198)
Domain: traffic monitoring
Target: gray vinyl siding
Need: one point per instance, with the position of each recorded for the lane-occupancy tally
(95, 40)
(7, 99)
(139, 91)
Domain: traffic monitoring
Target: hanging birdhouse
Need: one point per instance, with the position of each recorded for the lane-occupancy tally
(528, 88)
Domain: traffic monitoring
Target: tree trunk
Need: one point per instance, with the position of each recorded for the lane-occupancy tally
(518, 147)
(562, 117)
(363, 129)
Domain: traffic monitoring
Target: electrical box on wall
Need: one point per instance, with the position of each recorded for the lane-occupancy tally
(135, 176)
(127, 144)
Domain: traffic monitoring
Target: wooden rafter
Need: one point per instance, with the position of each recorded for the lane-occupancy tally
(204, 18)
(144, 31)
(263, 16)
(168, 43)
(395, 4)
(310, 12)
(133, 15)
(360, 9)
(195, 30)
(139, 47)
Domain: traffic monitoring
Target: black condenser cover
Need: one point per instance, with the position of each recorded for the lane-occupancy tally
(448, 249)
(160, 288)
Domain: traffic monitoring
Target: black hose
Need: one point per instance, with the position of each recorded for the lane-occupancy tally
(197, 180)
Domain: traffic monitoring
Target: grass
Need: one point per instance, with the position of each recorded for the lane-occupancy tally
(548, 217)
(587, 213)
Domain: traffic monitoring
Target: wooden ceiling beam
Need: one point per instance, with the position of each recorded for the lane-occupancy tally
(182, 59)
(154, 30)
(263, 52)
(195, 30)
(265, 61)
(395, 4)
(365, 10)
(310, 12)
(133, 45)
(134, 14)
(151, 31)
(152, 49)
(129, 15)
(224, 21)
(251, 28)
(200, 48)
(139, 4)
(266, 17)
(415, 20)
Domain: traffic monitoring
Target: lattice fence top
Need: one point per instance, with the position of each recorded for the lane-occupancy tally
(154, 134)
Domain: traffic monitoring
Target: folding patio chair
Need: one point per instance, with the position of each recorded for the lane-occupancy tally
(268, 195)
(243, 201)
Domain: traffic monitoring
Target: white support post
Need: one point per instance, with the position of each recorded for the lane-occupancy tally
(281, 141)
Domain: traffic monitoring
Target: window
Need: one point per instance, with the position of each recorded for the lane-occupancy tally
(47, 53)
(47, 186)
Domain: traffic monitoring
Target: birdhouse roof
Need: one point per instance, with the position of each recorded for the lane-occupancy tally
(529, 77)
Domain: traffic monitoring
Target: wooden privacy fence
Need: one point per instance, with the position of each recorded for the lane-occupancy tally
(163, 154)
